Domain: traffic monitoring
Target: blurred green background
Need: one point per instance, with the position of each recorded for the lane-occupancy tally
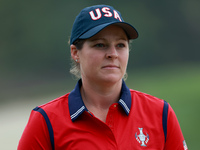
(35, 57)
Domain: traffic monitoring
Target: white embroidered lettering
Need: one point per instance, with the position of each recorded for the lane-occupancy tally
(98, 14)
(107, 12)
(116, 15)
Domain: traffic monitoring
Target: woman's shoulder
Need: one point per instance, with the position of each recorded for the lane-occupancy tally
(145, 98)
(56, 104)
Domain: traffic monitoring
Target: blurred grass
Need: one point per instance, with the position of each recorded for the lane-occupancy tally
(179, 86)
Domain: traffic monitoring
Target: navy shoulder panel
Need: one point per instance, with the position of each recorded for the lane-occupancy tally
(164, 118)
(38, 109)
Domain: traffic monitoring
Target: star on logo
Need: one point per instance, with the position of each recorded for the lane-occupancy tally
(141, 138)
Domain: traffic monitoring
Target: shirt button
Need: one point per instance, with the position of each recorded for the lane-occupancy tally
(115, 105)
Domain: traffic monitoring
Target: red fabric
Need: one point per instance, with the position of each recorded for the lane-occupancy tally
(120, 132)
(35, 135)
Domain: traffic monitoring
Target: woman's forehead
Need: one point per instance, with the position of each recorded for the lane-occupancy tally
(113, 31)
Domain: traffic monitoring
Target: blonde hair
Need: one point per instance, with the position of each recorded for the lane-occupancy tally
(75, 66)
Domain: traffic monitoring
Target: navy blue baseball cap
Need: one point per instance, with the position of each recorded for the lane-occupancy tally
(92, 20)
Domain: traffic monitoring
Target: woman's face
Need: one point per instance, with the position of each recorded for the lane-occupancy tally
(104, 57)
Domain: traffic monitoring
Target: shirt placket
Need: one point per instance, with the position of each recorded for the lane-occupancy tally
(110, 116)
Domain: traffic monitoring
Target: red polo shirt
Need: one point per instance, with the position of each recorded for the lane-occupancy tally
(135, 122)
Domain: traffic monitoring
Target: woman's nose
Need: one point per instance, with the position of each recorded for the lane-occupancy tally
(112, 52)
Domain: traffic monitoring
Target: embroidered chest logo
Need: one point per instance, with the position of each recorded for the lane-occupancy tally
(141, 137)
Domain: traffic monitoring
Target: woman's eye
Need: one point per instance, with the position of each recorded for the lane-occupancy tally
(121, 45)
(99, 45)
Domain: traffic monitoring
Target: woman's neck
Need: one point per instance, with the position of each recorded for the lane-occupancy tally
(98, 98)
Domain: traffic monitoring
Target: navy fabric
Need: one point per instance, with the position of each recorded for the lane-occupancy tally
(77, 107)
(75, 102)
(85, 27)
(125, 99)
(38, 109)
(164, 118)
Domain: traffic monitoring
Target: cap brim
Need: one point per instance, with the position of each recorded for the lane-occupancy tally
(129, 29)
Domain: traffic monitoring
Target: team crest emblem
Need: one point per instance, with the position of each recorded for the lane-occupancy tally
(141, 137)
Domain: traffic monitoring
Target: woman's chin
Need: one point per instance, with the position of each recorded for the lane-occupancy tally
(111, 78)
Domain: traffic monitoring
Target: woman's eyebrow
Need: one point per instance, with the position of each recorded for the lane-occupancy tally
(97, 39)
(124, 39)
(103, 39)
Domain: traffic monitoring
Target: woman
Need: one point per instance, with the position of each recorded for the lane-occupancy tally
(102, 112)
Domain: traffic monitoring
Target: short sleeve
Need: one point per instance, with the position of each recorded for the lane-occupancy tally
(175, 139)
(35, 135)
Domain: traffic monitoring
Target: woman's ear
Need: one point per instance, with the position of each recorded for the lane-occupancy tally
(74, 53)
